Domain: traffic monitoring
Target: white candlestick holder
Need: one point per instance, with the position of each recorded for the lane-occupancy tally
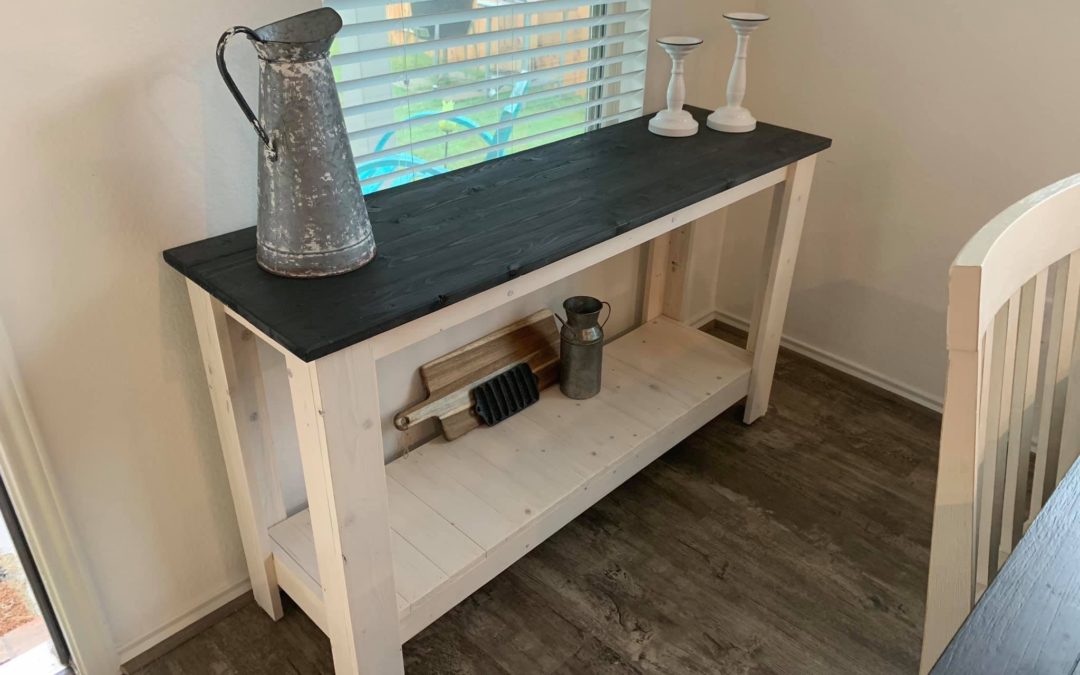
(674, 121)
(733, 117)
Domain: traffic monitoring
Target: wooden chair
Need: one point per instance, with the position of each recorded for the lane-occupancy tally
(1011, 426)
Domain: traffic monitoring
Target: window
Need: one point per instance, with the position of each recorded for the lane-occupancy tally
(428, 86)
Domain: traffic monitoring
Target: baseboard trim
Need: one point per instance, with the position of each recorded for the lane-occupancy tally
(150, 646)
(703, 319)
(863, 373)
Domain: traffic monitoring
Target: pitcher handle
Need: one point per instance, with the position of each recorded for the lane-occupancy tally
(271, 146)
(608, 305)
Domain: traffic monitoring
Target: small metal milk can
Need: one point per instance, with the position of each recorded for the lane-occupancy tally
(312, 218)
(581, 346)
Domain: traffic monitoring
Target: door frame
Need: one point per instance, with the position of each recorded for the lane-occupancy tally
(29, 479)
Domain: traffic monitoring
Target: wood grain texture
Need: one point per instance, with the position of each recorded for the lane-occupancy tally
(239, 410)
(451, 378)
(1027, 619)
(796, 545)
(337, 407)
(774, 284)
(449, 237)
(662, 381)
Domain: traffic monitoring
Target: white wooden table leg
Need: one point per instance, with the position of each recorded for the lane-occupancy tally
(778, 196)
(336, 401)
(231, 362)
(708, 251)
(657, 264)
(677, 284)
(781, 248)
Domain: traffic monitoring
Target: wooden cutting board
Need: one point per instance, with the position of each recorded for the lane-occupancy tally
(450, 378)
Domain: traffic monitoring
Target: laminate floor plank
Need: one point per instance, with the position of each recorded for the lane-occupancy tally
(799, 544)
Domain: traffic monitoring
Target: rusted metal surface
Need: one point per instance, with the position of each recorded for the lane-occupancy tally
(581, 347)
(312, 217)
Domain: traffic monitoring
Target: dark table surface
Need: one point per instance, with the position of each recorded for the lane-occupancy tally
(1028, 620)
(449, 237)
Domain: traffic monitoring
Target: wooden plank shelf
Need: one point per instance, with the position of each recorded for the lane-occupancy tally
(462, 511)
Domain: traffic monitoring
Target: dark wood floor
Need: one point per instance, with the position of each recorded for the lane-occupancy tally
(797, 545)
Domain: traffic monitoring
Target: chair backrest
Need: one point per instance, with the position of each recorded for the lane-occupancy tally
(1011, 423)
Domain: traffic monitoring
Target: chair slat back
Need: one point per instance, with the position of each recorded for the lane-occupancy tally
(1011, 422)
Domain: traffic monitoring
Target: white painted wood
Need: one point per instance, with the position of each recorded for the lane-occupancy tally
(676, 287)
(641, 396)
(986, 422)
(773, 227)
(28, 476)
(995, 442)
(1022, 411)
(991, 390)
(231, 366)
(952, 550)
(248, 396)
(1045, 463)
(449, 495)
(476, 504)
(295, 564)
(657, 265)
(336, 402)
(281, 426)
(435, 538)
(408, 334)
(1070, 425)
(1054, 469)
(781, 249)
(298, 567)
(1022, 241)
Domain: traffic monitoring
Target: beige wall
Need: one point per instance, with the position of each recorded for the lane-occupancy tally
(942, 114)
(119, 141)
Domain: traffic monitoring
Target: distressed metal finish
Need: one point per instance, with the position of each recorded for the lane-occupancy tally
(312, 217)
(581, 347)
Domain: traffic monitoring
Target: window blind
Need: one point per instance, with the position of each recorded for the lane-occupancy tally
(428, 86)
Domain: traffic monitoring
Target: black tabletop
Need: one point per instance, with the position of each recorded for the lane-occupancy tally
(449, 237)
(1028, 620)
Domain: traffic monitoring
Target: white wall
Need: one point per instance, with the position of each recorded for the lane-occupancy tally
(942, 114)
(121, 141)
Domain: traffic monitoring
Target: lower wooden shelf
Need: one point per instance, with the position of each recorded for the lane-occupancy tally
(463, 511)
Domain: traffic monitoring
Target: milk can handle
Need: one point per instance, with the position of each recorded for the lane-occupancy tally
(271, 146)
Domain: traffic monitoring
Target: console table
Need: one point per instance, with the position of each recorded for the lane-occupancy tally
(384, 549)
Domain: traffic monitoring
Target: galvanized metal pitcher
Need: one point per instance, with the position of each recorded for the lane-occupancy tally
(312, 218)
(581, 346)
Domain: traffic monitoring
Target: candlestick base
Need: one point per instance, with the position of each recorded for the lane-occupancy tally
(673, 123)
(732, 120)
